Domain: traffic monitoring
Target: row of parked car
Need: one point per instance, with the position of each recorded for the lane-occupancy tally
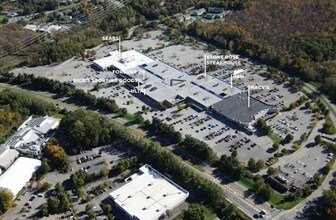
(87, 158)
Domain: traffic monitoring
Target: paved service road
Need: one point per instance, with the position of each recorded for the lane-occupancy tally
(235, 193)
(301, 210)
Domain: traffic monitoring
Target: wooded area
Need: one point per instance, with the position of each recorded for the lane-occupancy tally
(301, 41)
(15, 107)
(88, 128)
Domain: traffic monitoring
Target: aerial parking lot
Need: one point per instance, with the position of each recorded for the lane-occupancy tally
(183, 57)
(220, 134)
(311, 160)
(123, 97)
(168, 110)
(91, 161)
(295, 122)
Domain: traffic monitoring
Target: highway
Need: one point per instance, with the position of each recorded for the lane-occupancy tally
(303, 210)
(235, 193)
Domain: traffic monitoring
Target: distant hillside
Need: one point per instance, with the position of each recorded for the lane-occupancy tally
(297, 36)
(303, 32)
(277, 22)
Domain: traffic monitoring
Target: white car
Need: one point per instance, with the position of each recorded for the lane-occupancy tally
(262, 213)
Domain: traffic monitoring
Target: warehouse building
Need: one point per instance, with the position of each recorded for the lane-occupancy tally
(7, 157)
(125, 61)
(235, 109)
(17, 175)
(147, 195)
(162, 83)
(32, 134)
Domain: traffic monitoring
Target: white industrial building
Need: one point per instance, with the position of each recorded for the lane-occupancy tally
(124, 61)
(46, 27)
(17, 175)
(165, 84)
(147, 195)
(32, 135)
(7, 157)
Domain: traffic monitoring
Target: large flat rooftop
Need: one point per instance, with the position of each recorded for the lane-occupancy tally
(236, 108)
(129, 60)
(148, 194)
(17, 175)
(163, 82)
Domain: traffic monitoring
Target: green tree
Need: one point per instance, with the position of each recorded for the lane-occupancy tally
(318, 139)
(104, 25)
(44, 210)
(303, 137)
(276, 145)
(89, 211)
(107, 208)
(123, 112)
(45, 167)
(197, 148)
(6, 200)
(138, 118)
(46, 186)
(263, 127)
(328, 127)
(53, 204)
(265, 193)
(251, 164)
(195, 212)
(234, 153)
(288, 138)
(307, 104)
(229, 212)
(271, 170)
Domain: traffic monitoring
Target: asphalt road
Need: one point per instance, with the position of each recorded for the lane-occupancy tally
(301, 210)
(234, 191)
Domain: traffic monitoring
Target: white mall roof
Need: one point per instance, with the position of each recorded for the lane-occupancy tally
(165, 82)
(129, 60)
(148, 194)
(17, 175)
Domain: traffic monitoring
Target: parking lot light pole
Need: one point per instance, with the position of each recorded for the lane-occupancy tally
(248, 97)
(119, 47)
(205, 66)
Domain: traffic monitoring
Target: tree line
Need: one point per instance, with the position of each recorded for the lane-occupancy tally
(62, 88)
(15, 107)
(164, 130)
(54, 158)
(155, 9)
(309, 55)
(74, 42)
(83, 129)
(146, 150)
